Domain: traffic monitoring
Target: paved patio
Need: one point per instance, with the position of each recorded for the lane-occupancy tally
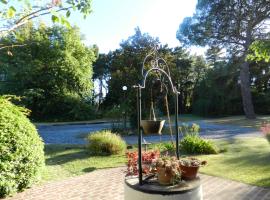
(107, 184)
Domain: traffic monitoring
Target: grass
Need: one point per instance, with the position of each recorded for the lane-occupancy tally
(246, 160)
(64, 161)
(241, 121)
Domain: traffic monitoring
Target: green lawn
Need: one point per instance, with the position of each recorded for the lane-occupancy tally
(64, 161)
(241, 121)
(246, 160)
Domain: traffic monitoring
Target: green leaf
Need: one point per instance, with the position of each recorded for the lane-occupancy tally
(11, 12)
(68, 13)
(3, 1)
(65, 22)
(55, 19)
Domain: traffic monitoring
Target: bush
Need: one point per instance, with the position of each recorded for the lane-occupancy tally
(105, 143)
(185, 129)
(21, 149)
(193, 144)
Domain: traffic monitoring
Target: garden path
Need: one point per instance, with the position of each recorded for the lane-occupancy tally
(108, 184)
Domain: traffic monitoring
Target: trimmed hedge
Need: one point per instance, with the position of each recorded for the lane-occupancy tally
(21, 149)
(105, 143)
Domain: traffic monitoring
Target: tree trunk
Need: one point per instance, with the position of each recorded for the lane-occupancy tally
(245, 91)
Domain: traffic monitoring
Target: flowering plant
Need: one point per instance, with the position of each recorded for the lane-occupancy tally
(192, 162)
(265, 128)
(148, 159)
(168, 170)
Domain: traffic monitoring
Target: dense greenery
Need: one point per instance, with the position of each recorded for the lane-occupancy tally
(192, 144)
(52, 72)
(105, 143)
(122, 67)
(232, 25)
(21, 149)
(260, 51)
(53, 69)
(18, 13)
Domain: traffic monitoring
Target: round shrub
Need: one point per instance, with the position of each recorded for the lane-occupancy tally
(105, 143)
(193, 144)
(21, 149)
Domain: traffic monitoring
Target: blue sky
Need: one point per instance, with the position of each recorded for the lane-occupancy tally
(114, 20)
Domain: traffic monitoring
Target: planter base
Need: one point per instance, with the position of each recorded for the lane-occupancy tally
(188, 190)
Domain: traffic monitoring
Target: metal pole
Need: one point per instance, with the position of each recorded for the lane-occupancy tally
(139, 106)
(124, 88)
(176, 124)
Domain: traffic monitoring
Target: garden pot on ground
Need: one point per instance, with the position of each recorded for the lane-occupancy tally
(152, 126)
(189, 172)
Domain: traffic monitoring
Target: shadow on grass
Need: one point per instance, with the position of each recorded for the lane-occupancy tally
(51, 149)
(67, 157)
(246, 155)
(263, 182)
(89, 169)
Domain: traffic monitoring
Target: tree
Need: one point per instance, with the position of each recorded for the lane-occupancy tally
(260, 51)
(234, 25)
(101, 72)
(18, 13)
(53, 71)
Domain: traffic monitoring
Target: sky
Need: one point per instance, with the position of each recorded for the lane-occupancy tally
(115, 20)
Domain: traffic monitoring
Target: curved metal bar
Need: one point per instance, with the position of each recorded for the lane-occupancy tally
(162, 71)
(154, 60)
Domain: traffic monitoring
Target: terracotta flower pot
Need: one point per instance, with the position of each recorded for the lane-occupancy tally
(152, 126)
(164, 178)
(189, 173)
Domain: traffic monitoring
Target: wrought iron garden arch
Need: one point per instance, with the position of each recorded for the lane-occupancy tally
(158, 65)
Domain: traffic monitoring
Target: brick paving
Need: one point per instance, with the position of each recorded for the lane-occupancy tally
(107, 184)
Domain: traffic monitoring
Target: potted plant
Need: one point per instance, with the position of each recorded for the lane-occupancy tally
(148, 162)
(168, 170)
(189, 167)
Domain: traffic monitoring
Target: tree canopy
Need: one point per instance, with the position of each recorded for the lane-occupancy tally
(53, 71)
(16, 13)
(233, 25)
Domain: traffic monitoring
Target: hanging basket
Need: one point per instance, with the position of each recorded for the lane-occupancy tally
(152, 126)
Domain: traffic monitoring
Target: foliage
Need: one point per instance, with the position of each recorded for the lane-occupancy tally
(196, 145)
(210, 95)
(260, 51)
(148, 159)
(105, 143)
(192, 162)
(21, 149)
(18, 13)
(168, 167)
(53, 72)
(123, 67)
(229, 24)
(193, 130)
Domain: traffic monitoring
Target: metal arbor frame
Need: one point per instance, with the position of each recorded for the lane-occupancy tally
(158, 65)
